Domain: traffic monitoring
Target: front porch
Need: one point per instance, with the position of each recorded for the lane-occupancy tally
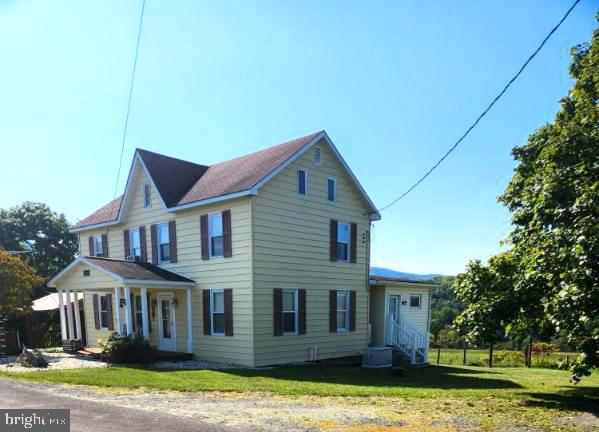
(126, 297)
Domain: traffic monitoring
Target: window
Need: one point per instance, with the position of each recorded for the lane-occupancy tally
(217, 311)
(134, 244)
(317, 156)
(98, 246)
(164, 246)
(290, 315)
(343, 310)
(332, 189)
(343, 242)
(215, 235)
(147, 190)
(137, 313)
(415, 300)
(103, 311)
(302, 182)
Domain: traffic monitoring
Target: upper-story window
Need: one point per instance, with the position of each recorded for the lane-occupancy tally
(331, 189)
(215, 235)
(98, 246)
(134, 244)
(164, 247)
(147, 191)
(343, 235)
(302, 182)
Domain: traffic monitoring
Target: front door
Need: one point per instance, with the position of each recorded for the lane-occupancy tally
(392, 316)
(166, 322)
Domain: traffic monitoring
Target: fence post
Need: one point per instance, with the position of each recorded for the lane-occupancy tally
(438, 355)
(464, 361)
(491, 356)
(567, 359)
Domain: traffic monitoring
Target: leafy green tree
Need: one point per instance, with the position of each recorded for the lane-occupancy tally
(548, 281)
(17, 280)
(42, 235)
(445, 307)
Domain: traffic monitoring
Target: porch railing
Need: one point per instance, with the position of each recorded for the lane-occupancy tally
(408, 340)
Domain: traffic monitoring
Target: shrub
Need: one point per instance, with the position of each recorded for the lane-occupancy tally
(127, 349)
(32, 358)
(505, 358)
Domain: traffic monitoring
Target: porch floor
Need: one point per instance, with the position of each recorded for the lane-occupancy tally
(159, 355)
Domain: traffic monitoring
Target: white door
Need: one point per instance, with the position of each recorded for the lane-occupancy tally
(166, 323)
(393, 305)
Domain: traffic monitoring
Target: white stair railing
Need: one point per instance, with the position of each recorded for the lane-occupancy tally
(408, 339)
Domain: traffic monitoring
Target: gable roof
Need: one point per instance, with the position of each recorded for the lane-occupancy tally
(182, 184)
(127, 271)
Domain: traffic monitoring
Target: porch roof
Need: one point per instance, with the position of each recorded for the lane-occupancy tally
(128, 272)
(387, 280)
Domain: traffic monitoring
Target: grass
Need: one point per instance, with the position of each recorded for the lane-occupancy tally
(480, 357)
(493, 397)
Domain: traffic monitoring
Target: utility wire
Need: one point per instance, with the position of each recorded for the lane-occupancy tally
(141, 20)
(479, 118)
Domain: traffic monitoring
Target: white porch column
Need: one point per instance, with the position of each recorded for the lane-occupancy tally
(117, 309)
(144, 313)
(63, 321)
(128, 322)
(77, 316)
(189, 323)
(70, 316)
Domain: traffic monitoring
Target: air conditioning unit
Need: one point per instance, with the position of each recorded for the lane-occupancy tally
(377, 357)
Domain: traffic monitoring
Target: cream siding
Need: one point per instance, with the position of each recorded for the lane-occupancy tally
(291, 250)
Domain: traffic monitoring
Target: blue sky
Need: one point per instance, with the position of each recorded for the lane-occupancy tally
(393, 83)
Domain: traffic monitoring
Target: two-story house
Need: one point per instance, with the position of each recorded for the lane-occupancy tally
(259, 260)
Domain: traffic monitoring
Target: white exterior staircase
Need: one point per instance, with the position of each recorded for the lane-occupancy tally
(408, 340)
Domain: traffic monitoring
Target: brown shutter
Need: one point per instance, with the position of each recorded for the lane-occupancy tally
(353, 243)
(204, 235)
(91, 246)
(105, 245)
(142, 244)
(228, 312)
(96, 312)
(133, 318)
(126, 242)
(172, 236)
(206, 310)
(333, 235)
(109, 311)
(227, 244)
(277, 311)
(148, 305)
(154, 239)
(352, 311)
(333, 311)
(301, 311)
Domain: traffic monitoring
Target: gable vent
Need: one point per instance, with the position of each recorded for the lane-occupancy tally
(317, 156)
(147, 196)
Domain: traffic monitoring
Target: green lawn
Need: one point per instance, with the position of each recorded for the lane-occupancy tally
(480, 357)
(493, 397)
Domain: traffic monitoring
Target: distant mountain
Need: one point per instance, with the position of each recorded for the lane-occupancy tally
(385, 272)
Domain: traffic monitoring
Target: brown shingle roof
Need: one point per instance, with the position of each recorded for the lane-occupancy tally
(180, 182)
(137, 270)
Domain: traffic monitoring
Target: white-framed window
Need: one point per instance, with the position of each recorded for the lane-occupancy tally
(98, 246)
(342, 310)
(217, 312)
(415, 300)
(332, 189)
(343, 235)
(290, 312)
(134, 244)
(137, 312)
(317, 156)
(302, 182)
(215, 235)
(164, 246)
(103, 311)
(147, 192)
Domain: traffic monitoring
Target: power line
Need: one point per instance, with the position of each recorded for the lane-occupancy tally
(141, 19)
(479, 118)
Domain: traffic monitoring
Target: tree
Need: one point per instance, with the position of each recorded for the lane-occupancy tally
(41, 233)
(17, 280)
(550, 275)
(444, 305)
